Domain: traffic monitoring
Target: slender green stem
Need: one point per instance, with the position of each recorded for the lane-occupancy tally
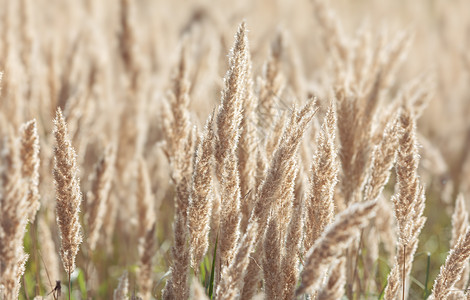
(404, 263)
(70, 286)
(428, 264)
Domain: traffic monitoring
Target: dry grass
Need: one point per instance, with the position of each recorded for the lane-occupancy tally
(324, 164)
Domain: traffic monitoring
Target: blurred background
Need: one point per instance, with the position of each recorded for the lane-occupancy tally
(72, 54)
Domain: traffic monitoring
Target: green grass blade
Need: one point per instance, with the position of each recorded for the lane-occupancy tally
(428, 264)
(211, 282)
(82, 283)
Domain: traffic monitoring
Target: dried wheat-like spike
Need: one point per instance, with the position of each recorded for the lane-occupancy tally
(281, 174)
(408, 206)
(354, 131)
(14, 213)
(319, 199)
(273, 280)
(177, 286)
(333, 37)
(334, 287)
(405, 250)
(459, 220)
(68, 195)
(145, 230)
(283, 165)
(286, 198)
(290, 260)
(27, 34)
(132, 136)
(334, 240)
(97, 197)
(183, 183)
(261, 168)
(271, 84)
(274, 135)
(128, 44)
(122, 290)
(177, 124)
(254, 274)
(30, 168)
(146, 252)
(229, 115)
(232, 277)
(228, 131)
(197, 291)
(456, 295)
(200, 201)
(348, 120)
(145, 200)
(247, 148)
(453, 267)
(459, 226)
(383, 159)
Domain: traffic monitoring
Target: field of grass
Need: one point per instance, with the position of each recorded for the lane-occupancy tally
(254, 149)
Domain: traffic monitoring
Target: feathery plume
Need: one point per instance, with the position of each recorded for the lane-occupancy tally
(334, 287)
(459, 227)
(177, 286)
(14, 212)
(408, 205)
(177, 124)
(97, 197)
(247, 148)
(200, 201)
(334, 240)
(383, 159)
(229, 117)
(453, 267)
(283, 164)
(146, 252)
(281, 174)
(68, 195)
(324, 170)
(290, 260)
(273, 280)
(146, 229)
(232, 277)
(145, 200)
(333, 37)
(273, 137)
(272, 83)
(459, 220)
(128, 42)
(30, 167)
(121, 291)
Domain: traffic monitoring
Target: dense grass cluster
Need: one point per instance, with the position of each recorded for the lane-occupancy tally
(325, 157)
